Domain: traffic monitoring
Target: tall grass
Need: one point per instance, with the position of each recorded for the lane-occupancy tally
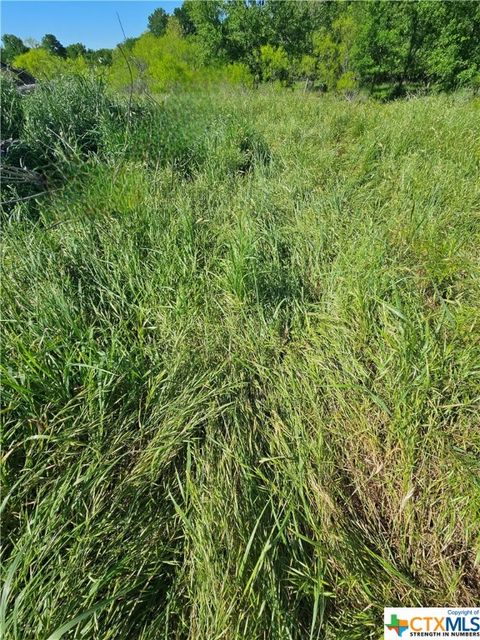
(241, 401)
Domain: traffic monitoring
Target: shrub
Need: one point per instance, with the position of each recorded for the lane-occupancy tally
(172, 133)
(347, 83)
(45, 65)
(156, 63)
(236, 73)
(275, 64)
(65, 117)
(162, 64)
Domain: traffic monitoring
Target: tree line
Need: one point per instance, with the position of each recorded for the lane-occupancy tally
(342, 45)
(13, 46)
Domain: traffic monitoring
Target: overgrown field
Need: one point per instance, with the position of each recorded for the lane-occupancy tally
(241, 366)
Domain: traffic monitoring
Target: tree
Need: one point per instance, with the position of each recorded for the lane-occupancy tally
(290, 24)
(451, 51)
(45, 65)
(187, 25)
(157, 22)
(246, 31)
(12, 46)
(75, 50)
(330, 59)
(100, 56)
(209, 17)
(51, 44)
(275, 64)
(128, 44)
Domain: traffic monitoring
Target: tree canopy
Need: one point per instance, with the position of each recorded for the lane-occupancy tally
(328, 45)
(12, 46)
(51, 44)
(157, 22)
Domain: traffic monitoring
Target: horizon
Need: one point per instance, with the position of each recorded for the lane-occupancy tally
(93, 22)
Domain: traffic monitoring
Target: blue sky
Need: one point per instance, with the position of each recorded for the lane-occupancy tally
(89, 21)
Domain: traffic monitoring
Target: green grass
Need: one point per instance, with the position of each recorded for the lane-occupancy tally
(241, 401)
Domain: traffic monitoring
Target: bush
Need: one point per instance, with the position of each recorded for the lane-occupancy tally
(66, 117)
(45, 65)
(160, 65)
(275, 64)
(172, 133)
(156, 64)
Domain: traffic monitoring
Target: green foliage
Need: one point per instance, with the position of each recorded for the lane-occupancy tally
(347, 82)
(11, 112)
(207, 17)
(156, 63)
(387, 47)
(289, 24)
(327, 54)
(186, 23)
(76, 50)
(12, 46)
(452, 55)
(241, 405)
(157, 22)
(52, 45)
(236, 73)
(330, 62)
(64, 118)
(431, 42)
(274, 63)
(99, 57)
(46, 66)
(160, 64)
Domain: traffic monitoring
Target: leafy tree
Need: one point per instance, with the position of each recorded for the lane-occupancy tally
(327, 58)
(187, 25)
(158, 63)
(12, 46)
(336, 45)
(451, 50)
(51, 44)
(375, 55)
(235, 30)
(330, 60)
(100, 56)
(45, 65)
(290, 24)
(163, 63)
(157, 22)
(75, 50)
(435, 42)
(128, 44)
(275, 64)
(246, 30)
(208, 16)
